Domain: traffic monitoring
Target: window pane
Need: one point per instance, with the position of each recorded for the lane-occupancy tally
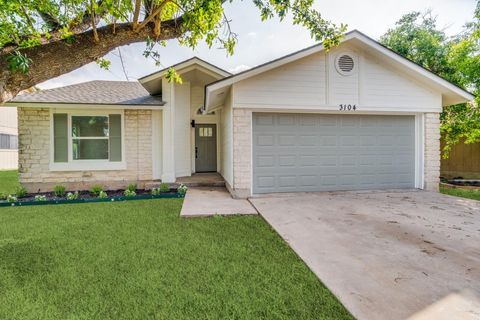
(60, 137)
(4, 141)
(115, 137)
(90, 149)
(86, 126)
(13, 142)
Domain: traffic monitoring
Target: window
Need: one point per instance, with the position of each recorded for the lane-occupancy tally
(86, 141)
(8, 141)
(89, 138)
(205, 132)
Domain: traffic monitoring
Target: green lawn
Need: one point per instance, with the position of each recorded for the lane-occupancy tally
(464, 193)
(140, 260)
(8, 181)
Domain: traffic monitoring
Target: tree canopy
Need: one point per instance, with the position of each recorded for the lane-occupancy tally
(417, 37)
(42, 39)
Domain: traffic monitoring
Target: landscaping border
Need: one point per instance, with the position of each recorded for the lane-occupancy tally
(89, 200)
(457, 186)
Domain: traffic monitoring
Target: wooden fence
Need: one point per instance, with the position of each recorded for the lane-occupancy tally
(463, 161)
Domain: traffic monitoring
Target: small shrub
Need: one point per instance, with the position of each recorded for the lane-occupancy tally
(182, 189)
(3, 196)
(20, 191)
(164, 188)
(132, 187)
(155, 191)
(40, 198)
(102, 195)
(129, 193)
(59, 191)
(11, 198)
(96, 189)
(72, 196)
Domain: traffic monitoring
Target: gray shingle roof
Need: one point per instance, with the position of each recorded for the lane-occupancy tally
(94, 92)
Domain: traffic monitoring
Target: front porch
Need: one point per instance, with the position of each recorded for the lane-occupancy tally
(209, 179)
(186, 140)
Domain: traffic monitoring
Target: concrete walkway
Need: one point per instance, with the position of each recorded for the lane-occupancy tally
(205, 201)
(386, 255)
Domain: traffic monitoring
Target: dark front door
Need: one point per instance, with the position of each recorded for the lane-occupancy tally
(205, 147)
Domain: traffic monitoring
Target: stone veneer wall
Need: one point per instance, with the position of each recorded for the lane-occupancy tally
(432, 151)
(242, 153)
(34, 154)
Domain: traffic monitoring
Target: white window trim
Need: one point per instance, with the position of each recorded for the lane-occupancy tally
(85, 165)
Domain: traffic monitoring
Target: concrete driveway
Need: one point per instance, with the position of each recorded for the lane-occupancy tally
(385, 255)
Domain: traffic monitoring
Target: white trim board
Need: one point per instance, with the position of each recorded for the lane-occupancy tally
(84, 165)
(183, 65)
(79, 106)
(334, 108)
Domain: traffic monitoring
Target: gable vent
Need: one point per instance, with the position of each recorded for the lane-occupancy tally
(345, 64)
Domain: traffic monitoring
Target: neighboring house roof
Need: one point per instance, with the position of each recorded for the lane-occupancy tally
(454, 93)
(185, 64)
(93, 92)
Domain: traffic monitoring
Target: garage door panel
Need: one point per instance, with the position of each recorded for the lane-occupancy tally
(307, 152)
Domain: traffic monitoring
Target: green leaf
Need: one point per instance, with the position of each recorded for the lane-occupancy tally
(18, 62)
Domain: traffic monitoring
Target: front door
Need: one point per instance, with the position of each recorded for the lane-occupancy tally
(205, 148)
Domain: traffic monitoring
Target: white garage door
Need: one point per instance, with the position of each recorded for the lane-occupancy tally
(312, 152)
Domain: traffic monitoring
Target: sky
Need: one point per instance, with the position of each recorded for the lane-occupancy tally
(259, 42)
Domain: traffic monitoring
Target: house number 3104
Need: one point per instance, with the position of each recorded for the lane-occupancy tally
(348, 107)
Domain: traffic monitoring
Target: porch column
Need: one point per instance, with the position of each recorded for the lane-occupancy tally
(168, 119)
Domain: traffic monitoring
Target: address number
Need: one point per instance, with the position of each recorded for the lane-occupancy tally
(348, 107)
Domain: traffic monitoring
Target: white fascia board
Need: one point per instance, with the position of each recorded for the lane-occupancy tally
(335, 109)
(80, 106)
(179, 67)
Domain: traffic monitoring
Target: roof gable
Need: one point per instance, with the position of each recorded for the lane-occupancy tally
(452, 94)
(185, 64)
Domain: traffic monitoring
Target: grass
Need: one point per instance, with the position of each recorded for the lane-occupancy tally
(140, 260)
(8, 181)
(464, 193)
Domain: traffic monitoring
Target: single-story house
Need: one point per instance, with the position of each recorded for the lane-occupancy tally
(358, 116)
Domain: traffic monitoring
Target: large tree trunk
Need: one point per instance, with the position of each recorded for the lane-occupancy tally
(56, 58)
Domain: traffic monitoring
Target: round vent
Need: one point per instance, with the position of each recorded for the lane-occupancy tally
(345, 64)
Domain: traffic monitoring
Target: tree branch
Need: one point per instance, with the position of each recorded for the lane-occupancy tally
(155, 12)
(136, 13)
(63, 57)
(94, 24)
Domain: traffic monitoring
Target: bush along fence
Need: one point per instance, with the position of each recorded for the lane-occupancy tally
(60, 196)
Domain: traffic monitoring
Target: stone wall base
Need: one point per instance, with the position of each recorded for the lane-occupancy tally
(238, 193)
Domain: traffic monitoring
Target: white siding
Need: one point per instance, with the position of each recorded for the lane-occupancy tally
(8, 159)
(226, 139)
(8, 120)
(182, 130)
(384, 86)
(314, 83)
(301, 82)
(196, 100)
(342, 89)
(8, 125)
